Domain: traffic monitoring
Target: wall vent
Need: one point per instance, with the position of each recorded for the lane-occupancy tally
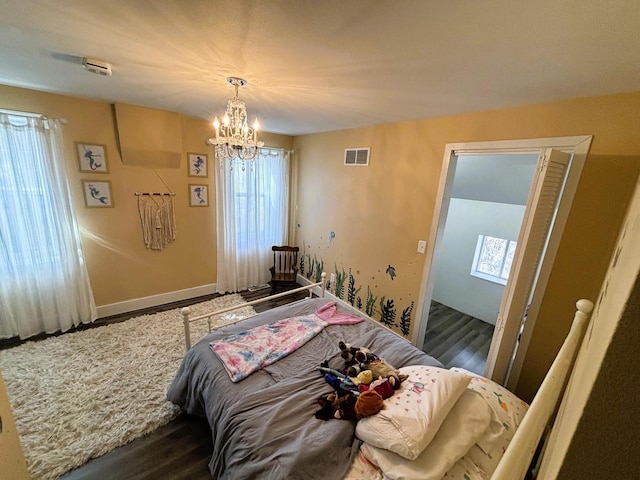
(356, 157)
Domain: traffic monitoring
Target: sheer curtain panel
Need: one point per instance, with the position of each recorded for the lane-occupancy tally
(252, 202)
(44, 285)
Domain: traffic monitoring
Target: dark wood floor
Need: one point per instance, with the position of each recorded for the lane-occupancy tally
(456, 339)
(179, 450)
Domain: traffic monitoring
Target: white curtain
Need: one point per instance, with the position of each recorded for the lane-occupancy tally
(44, 286)
(252, 201)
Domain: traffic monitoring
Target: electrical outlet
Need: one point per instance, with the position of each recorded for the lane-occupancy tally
(422, 246)
(332, 278)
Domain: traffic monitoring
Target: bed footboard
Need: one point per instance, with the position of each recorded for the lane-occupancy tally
(186, 320)
(517, 458)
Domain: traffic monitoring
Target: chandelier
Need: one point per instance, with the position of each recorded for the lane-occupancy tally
(234, 137)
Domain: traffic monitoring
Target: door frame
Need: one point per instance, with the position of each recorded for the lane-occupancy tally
(576, 145)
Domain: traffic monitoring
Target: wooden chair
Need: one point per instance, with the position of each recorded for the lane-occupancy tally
(285, 266)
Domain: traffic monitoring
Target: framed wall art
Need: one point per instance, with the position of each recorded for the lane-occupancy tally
(97, 193)
(92, 157)
(198, 195)
(197, 164)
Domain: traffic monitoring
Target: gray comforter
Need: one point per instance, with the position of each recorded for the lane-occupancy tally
(263, 427)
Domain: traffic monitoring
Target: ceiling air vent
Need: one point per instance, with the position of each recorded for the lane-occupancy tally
(357, 157)
(97, 66)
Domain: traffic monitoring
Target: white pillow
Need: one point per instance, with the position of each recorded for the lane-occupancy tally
(466, 422)
(507, 412)
(413, 415)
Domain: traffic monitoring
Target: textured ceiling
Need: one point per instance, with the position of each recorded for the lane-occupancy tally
(325, 65)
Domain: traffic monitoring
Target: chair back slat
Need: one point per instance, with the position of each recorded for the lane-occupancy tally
(285, 265)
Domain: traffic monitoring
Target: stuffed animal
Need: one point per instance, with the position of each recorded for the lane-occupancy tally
(381, 369)
(328, 403)
(346, 407)
(360, 365)
(349, 406)
(363, 378)
(365, 356)
(337, 380)
(382, 386)
(368, 403)
(348, 353)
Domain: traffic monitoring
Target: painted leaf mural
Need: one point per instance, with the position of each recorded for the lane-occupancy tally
(313, 266)
(387, 312)
(340, 278)
(319, 270)
(405, 320)
(371, 303)
(352, 291)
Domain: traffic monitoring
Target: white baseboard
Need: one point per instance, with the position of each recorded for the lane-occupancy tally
(154, 300)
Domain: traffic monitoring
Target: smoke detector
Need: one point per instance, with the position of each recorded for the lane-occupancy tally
(97, 66)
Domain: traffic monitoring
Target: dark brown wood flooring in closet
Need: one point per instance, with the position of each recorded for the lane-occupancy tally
(457, 339)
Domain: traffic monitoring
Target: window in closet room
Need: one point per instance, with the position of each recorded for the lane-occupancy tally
(493, 258)
(45, 286)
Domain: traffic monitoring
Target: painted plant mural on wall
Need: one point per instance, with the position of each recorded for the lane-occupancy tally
(312, 267)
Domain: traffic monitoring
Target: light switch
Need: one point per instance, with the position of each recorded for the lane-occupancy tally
(422, 246)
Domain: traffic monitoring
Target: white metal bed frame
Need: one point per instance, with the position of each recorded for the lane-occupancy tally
(517, 459)
(186, 311)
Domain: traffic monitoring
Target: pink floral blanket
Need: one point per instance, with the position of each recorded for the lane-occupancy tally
(246, 352)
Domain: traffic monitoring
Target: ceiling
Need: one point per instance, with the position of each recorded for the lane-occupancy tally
(499, 178)
(316, 66)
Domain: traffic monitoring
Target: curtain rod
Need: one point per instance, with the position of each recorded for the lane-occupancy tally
(139, 194)
(28, 114)
(276, 149)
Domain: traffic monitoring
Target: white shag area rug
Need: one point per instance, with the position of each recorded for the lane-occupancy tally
(79, 395)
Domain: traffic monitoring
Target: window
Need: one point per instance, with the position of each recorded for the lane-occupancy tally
(493, 258)
(252, 200)
(45, 286)
(27, 195)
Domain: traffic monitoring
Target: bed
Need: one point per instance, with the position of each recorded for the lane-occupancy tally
(439, 424)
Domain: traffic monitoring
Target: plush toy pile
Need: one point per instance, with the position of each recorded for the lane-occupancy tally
(360, 387)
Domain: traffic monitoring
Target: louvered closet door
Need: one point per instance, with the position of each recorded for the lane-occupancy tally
(538, 220)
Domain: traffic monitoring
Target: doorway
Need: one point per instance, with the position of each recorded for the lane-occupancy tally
(486, 207)
(556, 174)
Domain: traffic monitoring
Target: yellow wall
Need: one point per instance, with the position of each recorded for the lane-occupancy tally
(379, 213)
(120, 267)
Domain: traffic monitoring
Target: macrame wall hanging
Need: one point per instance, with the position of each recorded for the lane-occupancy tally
(157, 218)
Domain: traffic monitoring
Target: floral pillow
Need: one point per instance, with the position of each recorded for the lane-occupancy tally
(464, 425)
(508, 412)
(412, 416)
